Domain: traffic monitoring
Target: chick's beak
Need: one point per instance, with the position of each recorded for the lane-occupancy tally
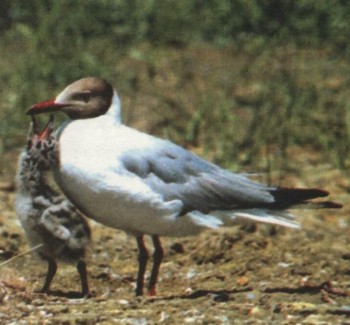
(47, 129)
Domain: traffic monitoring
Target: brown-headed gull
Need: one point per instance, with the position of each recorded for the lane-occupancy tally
(144, 185)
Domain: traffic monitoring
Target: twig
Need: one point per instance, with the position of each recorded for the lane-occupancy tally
(21, 254)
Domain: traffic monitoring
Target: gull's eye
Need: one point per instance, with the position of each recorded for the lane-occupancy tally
(83, 96)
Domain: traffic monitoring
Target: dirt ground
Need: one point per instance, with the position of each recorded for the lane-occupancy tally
(243, 275)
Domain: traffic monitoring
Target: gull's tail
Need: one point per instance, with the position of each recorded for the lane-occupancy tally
(272, 213)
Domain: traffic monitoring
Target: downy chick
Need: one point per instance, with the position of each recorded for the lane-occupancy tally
(47, 217)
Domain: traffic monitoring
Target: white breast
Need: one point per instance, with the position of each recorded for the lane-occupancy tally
(94, 179)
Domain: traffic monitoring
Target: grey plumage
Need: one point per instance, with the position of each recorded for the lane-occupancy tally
(176, 173)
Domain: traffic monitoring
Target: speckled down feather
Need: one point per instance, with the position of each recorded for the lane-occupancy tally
(46, 216)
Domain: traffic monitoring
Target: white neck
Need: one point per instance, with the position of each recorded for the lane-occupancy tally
(115, 109)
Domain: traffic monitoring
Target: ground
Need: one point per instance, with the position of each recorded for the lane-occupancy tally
(243, 275)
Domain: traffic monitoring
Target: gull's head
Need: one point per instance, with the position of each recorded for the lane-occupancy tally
(85, 98)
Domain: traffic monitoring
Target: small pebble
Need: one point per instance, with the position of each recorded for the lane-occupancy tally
(123, 301)
(250, 296)
(191, 273)
(188, 291)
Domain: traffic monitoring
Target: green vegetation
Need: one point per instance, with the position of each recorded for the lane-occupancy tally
(232, 80)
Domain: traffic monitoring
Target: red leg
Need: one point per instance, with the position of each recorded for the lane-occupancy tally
(143, 258)
(157, 260)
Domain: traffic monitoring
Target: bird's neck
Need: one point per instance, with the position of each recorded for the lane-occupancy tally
(32, 179)
(114, 110)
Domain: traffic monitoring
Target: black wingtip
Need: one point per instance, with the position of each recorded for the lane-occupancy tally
(297, 195)
(288, 197)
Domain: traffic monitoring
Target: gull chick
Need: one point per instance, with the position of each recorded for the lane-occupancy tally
(144, 185)
(49, 220)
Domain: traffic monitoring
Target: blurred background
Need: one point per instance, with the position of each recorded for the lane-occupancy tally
(259, 86)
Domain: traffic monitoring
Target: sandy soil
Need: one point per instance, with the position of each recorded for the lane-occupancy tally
(251, 275)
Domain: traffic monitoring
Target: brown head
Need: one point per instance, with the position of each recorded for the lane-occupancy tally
(84, 98)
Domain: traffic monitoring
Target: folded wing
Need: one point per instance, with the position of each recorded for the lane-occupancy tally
(177, 174)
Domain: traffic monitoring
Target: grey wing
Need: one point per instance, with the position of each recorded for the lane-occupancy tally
(176, 173)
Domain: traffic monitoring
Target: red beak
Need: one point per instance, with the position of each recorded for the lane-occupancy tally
(45, 107)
